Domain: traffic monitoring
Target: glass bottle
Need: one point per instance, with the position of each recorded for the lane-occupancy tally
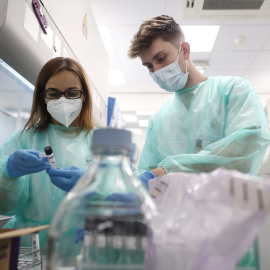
(104, 219)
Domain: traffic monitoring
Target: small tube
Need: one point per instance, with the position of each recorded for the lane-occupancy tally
(51, 159)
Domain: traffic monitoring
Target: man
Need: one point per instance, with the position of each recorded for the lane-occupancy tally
(208, 123)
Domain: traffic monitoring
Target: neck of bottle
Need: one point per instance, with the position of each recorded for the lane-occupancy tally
(113, 156)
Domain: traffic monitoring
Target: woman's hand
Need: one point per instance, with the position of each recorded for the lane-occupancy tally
(23, 162)
(65, 178)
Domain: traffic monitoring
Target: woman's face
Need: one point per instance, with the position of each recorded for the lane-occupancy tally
(64, 81)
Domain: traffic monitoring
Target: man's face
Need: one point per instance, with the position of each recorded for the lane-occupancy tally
(160, 54)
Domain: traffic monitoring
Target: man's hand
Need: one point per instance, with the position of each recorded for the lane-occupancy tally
(159, 171)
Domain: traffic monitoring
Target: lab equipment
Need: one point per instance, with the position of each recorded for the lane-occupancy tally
(145, 177)
(51, 159)
(114, 116)
(23, 162)
(65, 178)
(217, 123)
(214, 219)
(40, 15)
(23, 206)
(134, 157)
(103, 221)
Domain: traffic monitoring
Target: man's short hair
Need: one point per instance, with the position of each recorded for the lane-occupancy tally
(162, 26)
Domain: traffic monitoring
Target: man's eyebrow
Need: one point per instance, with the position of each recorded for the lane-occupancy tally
(155, 56)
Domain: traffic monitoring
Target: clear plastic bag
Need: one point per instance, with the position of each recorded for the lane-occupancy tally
(208, 220)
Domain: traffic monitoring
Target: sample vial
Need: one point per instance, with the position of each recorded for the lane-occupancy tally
(49, 153)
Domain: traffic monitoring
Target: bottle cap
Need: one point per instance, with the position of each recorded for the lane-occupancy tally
(48, 150)
(111, 139)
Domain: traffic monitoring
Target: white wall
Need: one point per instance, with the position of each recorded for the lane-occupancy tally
(69, 18)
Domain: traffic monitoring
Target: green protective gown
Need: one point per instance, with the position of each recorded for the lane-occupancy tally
(33, 199)
(217, 123)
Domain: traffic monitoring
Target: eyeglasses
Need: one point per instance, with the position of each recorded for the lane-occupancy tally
(69, 94)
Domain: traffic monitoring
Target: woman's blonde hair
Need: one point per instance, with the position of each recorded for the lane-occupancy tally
(162, 26)
(40, 118)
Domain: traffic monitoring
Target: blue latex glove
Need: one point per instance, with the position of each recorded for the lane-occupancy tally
(120, 197)
(23, 162)
(65, 178)
(145, 177)
(79, 235)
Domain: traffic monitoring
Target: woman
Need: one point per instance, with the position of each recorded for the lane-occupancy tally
(61, 117)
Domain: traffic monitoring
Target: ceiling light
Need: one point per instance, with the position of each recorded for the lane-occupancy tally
(24, 115)
(200, 37)
(145, 112)
(143, 123)
(116, 77)
(107, 38)
(130, 118)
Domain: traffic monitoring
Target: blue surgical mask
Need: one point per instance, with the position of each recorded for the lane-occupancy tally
(170, 77)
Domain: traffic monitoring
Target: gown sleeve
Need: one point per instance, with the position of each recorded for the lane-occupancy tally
(14, 192)
(148, 160)
(243, 146)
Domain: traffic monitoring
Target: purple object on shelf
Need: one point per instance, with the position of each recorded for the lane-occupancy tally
(40, 16)
(14, 253)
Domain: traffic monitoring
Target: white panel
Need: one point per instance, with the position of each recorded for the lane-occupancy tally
(138, 77)
(253, 33)
(247, 21)
(172, 8)
(264, 98)
(122, 36)
(135, 88)
(258, 77)
(131, 64)
(231, 60)
(98, 12)
(267, 45)
(262, 88)
(213, 72)
(132, 12)
(262, 61)
(142, 102)
(114, 62)
(199, 21)
(200, 56)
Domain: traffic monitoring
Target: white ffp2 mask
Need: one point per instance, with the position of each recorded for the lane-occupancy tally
(64, 110)
(170, 77)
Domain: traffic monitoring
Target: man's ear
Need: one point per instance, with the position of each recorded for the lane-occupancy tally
(186, 50)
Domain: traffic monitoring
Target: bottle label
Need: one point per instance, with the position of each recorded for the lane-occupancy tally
(101, 241)
(130, 242)
(117, 242)
(36, 248)
(87, 240)
(144, 243)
